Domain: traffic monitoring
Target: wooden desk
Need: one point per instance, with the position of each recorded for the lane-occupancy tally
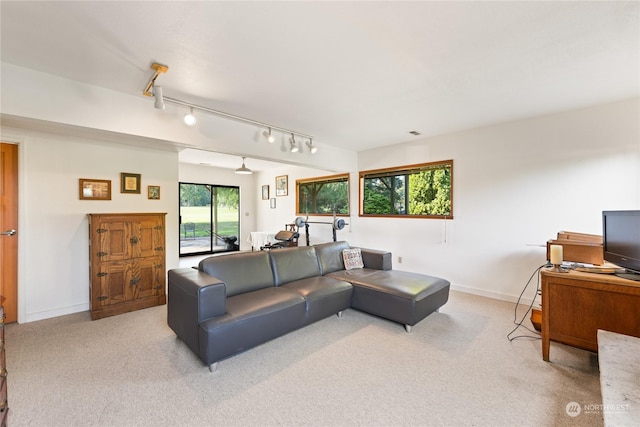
(576, 304)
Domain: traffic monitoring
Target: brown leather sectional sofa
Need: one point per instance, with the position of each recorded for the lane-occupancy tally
(234, 302)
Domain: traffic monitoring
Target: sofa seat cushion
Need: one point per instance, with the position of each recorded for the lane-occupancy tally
(251, 319)
(324, 295)
(400, 296)
(400, 283)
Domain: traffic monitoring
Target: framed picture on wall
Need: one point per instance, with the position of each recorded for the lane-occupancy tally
(272, 203)
(282, 185)
(265, 192)
(95, 189)
(130, 183)
(153, 192)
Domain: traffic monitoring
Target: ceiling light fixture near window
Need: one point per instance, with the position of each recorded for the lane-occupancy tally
(294, 146)
(269, 136)
(243, 170)
(414, 132)
(312, 148)
(189, 118)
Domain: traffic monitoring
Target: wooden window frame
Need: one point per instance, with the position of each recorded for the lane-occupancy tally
(326, 179)
(404, 170)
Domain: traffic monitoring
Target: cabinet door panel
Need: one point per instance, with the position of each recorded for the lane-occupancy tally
(147, 238)
(149, 277)
(114, 284)
(113, 238)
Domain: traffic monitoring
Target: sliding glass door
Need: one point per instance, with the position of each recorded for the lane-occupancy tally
(209, 218)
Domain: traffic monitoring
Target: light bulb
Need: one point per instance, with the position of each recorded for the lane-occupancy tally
(269, 136)
(312, 148)
(189, 118)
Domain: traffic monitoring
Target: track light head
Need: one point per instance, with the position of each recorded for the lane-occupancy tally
(294, 146)
(157, 94)
(189, 118)
(312, 148)
(243, 170)
(270, 138)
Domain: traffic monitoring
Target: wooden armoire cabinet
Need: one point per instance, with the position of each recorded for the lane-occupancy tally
(127, 262)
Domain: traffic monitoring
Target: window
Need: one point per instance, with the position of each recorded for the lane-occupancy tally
(209, 218)
(416, 191)
(324, 195)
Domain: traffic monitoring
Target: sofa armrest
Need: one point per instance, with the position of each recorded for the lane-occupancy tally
(375, 259)
(193, 296)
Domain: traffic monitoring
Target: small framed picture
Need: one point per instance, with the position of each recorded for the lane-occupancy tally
(130, 183)
(153, 192)
(272, 203)
(265, 192)
(95, 189)
(282, 185)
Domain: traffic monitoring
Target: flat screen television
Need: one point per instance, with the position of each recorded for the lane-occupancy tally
(621, 240)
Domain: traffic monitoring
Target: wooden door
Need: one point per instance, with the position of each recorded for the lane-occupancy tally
(8, 222)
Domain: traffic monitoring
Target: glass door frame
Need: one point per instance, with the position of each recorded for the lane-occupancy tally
(208, 240)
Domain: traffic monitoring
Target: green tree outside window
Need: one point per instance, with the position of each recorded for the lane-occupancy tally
(323, 195)
(423, 191)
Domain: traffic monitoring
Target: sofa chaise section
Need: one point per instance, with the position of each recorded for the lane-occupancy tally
(400, 296)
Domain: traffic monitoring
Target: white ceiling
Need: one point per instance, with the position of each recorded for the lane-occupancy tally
(353, 74)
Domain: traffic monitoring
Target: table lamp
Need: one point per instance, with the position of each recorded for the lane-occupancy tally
(555, 253)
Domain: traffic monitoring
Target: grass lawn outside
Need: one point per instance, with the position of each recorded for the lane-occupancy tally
(228, 220)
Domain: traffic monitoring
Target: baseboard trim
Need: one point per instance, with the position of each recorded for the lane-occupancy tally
(47, 314)
(489, 294)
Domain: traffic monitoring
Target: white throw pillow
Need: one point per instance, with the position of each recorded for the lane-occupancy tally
(352, 258)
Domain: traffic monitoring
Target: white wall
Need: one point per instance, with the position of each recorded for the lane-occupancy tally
(515, 185)
(53, 271)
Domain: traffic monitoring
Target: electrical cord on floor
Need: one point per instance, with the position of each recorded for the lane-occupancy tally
(519, 324)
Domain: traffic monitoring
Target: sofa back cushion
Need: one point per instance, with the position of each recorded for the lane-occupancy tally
(295, 263)
(330, 256)
(243, 272)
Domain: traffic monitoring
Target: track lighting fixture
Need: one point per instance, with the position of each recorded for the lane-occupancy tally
(154, 91)
(270, 138)
(312, 148)
(294, 146)
(243, 170)
(189, 118)
(157, 94)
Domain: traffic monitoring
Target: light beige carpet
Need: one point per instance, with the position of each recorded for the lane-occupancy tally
(455, 369)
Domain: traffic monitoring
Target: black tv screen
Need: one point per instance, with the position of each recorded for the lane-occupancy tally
(621, 239)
